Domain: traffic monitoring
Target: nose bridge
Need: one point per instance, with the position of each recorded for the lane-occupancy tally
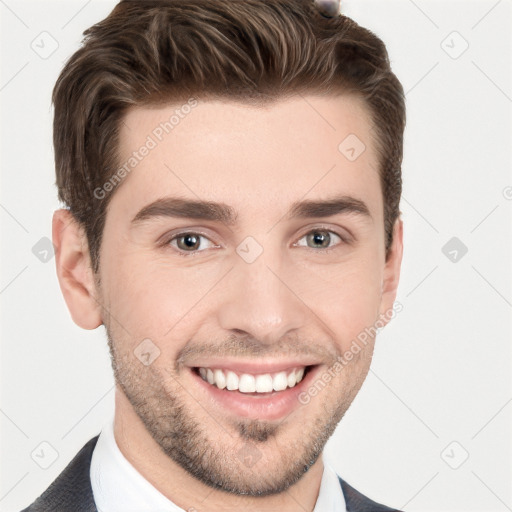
(259, 300)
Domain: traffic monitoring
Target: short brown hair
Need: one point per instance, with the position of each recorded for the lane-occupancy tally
(152, 51)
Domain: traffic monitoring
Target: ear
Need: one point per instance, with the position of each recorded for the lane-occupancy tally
(391, 274)
(74, 270)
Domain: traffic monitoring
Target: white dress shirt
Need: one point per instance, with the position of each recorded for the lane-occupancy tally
(118, 487)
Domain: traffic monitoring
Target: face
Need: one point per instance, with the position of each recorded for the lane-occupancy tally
(266, 280)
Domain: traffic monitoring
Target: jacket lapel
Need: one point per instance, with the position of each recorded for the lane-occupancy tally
(357, 502)
(72, 489)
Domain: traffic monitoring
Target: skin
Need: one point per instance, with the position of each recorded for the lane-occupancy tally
(295, 299)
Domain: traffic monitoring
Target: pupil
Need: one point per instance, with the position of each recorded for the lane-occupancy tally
(321, 238)
(189, 241)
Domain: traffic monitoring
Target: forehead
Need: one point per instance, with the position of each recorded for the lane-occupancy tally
(249, 156)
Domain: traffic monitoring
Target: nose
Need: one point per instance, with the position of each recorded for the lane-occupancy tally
(259, 300)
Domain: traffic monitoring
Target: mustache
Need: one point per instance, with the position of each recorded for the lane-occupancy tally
(248, 346)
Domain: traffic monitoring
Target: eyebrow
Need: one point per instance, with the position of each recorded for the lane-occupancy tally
(221, 212)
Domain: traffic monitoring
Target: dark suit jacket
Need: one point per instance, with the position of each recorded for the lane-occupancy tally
(72, 491)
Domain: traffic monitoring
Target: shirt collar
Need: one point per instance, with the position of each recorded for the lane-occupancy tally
(118, 487)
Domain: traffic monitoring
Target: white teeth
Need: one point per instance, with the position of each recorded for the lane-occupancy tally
(247, 383)
(231, 381)
(220, 379)
(264, 383)
(280, 381)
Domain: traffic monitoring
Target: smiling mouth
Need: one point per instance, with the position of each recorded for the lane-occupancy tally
(251, 383)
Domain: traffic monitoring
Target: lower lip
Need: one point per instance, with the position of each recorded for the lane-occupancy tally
(269, 406)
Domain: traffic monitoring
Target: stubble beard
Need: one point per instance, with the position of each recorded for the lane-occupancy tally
(161, 404)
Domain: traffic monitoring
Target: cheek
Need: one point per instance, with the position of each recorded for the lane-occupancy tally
(156, 297)
(346, 297)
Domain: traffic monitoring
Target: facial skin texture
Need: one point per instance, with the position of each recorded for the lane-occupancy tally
(292, 301)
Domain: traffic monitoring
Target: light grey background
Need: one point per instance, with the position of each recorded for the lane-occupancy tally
(440, 387)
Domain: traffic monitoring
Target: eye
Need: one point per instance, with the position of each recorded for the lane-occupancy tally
(190, 242)
(320, 239)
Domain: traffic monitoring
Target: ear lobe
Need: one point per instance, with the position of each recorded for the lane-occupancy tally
(74, 270)
(392, 267)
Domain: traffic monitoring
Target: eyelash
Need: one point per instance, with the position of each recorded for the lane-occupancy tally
(343, 240)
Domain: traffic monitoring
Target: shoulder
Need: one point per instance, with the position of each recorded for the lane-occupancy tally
(357, 502)
(71, 490)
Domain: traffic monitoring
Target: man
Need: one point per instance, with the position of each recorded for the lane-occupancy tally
(232, 176)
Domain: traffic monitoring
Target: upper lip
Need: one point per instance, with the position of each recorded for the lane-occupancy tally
(254, 367)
